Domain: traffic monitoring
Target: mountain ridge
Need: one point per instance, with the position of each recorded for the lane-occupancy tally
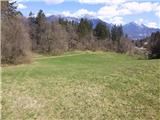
(132, 30)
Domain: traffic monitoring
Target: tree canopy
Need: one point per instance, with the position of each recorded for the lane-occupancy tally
(102, 31)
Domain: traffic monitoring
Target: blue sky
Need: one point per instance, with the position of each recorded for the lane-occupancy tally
(113, 11)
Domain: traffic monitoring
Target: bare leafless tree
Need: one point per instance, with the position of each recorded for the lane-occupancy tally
(15, 40)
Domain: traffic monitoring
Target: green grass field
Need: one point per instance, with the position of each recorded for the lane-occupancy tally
(82, 86)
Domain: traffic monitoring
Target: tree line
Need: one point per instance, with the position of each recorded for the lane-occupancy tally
(59, 36)
(21, 36)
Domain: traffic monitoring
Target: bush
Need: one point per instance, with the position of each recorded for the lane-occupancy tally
(15, 41)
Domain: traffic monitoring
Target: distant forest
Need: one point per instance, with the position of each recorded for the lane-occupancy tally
(21, 36)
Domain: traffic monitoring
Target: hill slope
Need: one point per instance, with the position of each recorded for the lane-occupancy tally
(82, 85)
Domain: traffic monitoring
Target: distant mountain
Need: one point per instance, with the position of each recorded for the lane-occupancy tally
(95, 21)
(53, 18)
(56, 18)
(133, 30)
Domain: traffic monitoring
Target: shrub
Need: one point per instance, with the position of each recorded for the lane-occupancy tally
(15, 41)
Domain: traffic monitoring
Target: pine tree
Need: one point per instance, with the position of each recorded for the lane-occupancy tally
(84, 28)
(32, 30)
(113, 33)
(31, 18)
(154, 45)
(41, 18)
(116, 33)
(101, 31)
(40, 22)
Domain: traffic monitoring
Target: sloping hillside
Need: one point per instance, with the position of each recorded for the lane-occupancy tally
(84, 86)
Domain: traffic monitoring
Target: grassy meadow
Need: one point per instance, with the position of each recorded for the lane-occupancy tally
(82, 86)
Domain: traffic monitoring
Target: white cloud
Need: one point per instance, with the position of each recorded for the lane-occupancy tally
(152, 25)
(117, 20)
(83, 12)
(102, 1)
(18, 1)
(124, 11)
(113, 13)
(158, 11)
(158, 14)
(79, 13)
(92, 1)
(21, 6)
(67, 13)
(140, 21)
(108, 11)
(113, 10)
(137, 7)
(53, 1)
(46, 1)
(116, 1)
(48, 14)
